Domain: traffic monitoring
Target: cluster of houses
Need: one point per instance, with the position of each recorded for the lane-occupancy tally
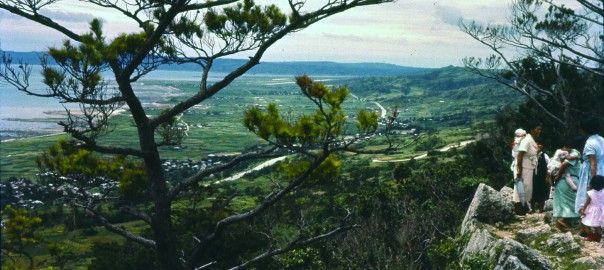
(22, 193)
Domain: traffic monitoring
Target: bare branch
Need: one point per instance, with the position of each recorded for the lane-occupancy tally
(333, 7)
(29, 10)
(136, 213)
(120, 231)
(268, 201)
(195, 179)
(294, 245)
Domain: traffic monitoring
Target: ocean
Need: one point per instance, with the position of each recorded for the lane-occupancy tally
(22, 115)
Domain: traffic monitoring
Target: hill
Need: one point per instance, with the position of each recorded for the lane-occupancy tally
(295, 67)
(450, 96)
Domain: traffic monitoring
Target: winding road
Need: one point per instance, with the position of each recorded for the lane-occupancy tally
(384, 112)
(444, 149)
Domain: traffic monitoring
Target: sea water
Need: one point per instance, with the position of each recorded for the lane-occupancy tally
(23, 115)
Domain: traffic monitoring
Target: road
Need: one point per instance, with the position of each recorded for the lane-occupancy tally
(257, 168)
(384, 112)
(444, 149)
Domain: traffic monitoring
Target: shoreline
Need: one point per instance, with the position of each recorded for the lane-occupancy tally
(32, 137)
(115, 113)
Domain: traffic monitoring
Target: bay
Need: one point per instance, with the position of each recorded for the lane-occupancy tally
(23, 115)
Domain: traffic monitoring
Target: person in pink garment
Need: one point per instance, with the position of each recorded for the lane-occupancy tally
(593, 210)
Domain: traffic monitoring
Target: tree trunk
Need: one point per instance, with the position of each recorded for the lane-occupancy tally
(165, 249)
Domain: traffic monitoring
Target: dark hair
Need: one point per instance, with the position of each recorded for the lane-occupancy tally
(575, 143)
(590, 125)
(532, 124)
(597, 182)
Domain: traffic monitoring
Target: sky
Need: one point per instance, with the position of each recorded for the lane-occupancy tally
(418, 33)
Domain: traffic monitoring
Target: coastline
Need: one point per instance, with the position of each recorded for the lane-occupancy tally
(116, 112)
(33, 137)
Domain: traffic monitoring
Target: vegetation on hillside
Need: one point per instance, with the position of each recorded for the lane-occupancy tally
(328, 206)
(206, 31)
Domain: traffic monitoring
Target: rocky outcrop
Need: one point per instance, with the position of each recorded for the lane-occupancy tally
(500, 240)
(488, 207)
(562, 243)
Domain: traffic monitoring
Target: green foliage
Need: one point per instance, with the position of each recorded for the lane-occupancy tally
(430, 142)
(445, 254)
(327, 170)
(302, 259)
(66, 159)
(560, 67)
(244, 19)
(61, 255)
(561, 21)
(19, 227)
(308, 131)
(476, 261)
(367, 122)
(401, 171)
(173, 131)
(86, 59)
(19, 232)
(124, 256)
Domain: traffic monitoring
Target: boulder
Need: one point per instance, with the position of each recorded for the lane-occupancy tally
(524, 255)
(512, 263)
(562, 243)
(533, 232)
(480, 241)
(507, 193)
(488, 206)
(585, 263)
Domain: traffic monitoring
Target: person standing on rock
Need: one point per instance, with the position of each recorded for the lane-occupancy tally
(593, 158)
(526, 162)
(565, 192)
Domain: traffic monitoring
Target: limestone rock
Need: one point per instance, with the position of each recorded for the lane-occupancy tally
(488, 206)
(507, 193)
(525, 255)
(527, 242)
(585, 263)
(562, 243)
(533, 232)
(512, 263)
(479, 242)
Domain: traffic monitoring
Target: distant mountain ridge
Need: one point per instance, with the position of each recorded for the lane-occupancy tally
(281, 68)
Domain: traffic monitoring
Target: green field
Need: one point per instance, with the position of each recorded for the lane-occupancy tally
(442, 116)
(447, 99)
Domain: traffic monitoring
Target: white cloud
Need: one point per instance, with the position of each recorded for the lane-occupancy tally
(410, 32)
(449, 15)
(66, 16)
